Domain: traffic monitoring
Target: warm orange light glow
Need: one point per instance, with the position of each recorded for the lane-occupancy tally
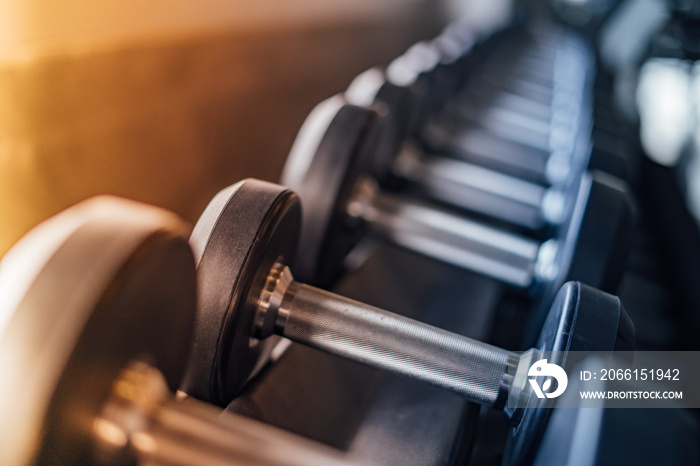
(168, 101)
(111, 433)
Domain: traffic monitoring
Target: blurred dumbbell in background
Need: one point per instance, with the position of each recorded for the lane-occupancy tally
(331, 169)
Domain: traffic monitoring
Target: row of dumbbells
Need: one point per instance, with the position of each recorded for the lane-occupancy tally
(101, 317)
(109, 306)
(492, 172)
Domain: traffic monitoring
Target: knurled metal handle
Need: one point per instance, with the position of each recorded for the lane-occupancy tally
(376, 337)
(456, 240)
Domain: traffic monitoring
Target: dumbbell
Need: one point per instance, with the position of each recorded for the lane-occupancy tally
(456, 182)
(96, 319)
(441, 67)
(244, 244)
(543, 166)
(532, 65)
(427, 85)
(559, 169)
(433, 71)
(459, 183)
(545, 91)
(330, 169)
(437, 69)
(509, 128)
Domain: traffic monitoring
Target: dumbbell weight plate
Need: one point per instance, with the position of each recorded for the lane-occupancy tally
(80, 315)
(566, 328)
(326, 187)
(231, 245)
(579, 320)
(371, 88)
(597, 242)
(244, 230)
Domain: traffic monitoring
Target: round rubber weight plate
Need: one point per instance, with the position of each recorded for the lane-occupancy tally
(90, 290)
(243, 231)
(324, 175)
(371, 89)
(604, 238)
(567, 238)
(581, 318)
(595, 245)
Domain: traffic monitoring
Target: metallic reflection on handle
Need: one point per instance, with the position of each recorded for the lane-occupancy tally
(477, 371)
(143, 424)
(449, 238)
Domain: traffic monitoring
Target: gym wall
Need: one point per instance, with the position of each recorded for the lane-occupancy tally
(166, 102)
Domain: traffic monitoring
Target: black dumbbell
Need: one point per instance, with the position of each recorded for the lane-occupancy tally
(417, 73)
(430, 73)
(329, 168)
(464, 184)
(421, 74)
(530, 132)
(97, 312)
(457, 182)
(528, 99)
(436, 70)
(440, 66)
(244, 243)
(475, 144)
(533, 66)
(520, 117)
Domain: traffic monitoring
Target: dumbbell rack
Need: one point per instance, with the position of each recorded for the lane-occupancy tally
(380, 418)
(383, 419)
(370, 416)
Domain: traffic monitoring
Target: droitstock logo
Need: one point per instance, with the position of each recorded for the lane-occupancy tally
(551, 371)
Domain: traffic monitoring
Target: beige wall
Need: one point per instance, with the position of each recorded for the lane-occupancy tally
(31, 25)
(169, 101)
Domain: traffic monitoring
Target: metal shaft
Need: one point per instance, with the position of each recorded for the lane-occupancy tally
(519, 127)
(188, 434)
(479, 189)
(505, 99)
(517, 110)
(566, 94)
(444, 236)
(476, 145)
(565, 71)
(143, 424)
(535, 150)
(479, 372)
